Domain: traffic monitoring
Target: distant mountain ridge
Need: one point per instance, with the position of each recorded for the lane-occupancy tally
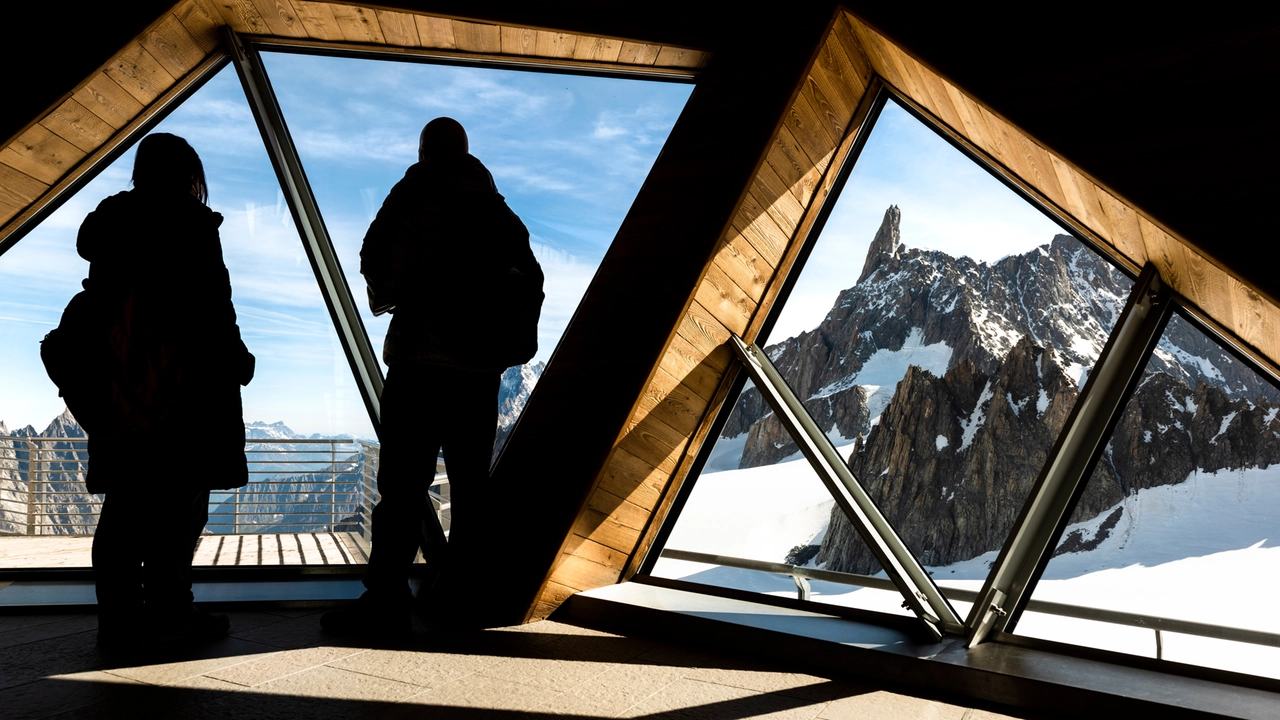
(952, 379)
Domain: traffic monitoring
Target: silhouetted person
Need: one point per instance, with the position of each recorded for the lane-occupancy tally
(427, 257)
(174, 427)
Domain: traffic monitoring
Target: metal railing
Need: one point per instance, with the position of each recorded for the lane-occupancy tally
(295, 485)
(801, 576)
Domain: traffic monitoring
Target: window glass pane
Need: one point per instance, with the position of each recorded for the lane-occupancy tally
(1180, 517)
(938, 333)
(302, 389)
(568, 152)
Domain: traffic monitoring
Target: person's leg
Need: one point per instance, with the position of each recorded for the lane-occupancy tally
(167, 558)
(472, 409)
(117, 567)
(406, 465)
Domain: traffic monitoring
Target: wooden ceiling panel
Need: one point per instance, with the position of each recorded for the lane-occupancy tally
(74, 123)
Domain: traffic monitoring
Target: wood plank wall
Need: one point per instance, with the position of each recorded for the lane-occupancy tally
(1131, 236)
(669, 421)
(105, 108)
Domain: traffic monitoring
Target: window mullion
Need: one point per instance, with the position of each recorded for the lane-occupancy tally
(917, 588)
(311, 228)
(1081, 442)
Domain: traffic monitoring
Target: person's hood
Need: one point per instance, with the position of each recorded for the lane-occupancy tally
(462, 173)
(137, 217)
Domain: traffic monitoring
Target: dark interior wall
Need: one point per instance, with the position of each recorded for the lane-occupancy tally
(47, 64)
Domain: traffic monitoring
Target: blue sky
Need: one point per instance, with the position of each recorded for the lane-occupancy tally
(568, 152)
(948, 203)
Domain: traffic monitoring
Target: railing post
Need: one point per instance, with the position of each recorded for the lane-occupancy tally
(33, 502)
(38, 464)
(235, 512)
(333, 485)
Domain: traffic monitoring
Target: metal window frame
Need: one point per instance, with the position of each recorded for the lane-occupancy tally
(918, 590)
(311, 228)
(1084, 436)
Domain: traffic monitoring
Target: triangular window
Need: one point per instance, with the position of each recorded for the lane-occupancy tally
(938, 334)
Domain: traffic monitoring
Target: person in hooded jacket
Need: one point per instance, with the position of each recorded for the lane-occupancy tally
(443, 232)
(157, 277)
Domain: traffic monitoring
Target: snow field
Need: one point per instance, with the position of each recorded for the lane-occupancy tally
(1205, 550)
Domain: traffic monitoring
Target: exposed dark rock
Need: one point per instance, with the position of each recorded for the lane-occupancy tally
(1075, 542)
(939, 464)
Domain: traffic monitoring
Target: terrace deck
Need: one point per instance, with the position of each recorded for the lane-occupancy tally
(319, 548)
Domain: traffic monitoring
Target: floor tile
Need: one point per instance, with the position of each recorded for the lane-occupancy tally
(425, 669)
(708, 701)
(891, 706)
(198, 661)
(478, 691)
(273, 666)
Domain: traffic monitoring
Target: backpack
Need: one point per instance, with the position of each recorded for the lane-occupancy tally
(111, 364)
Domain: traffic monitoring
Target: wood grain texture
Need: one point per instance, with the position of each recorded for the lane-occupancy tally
(638, 53)
(518, 41)
(399, 29)
(280, 17)
(597, 49)
(477, 37)
(358, 24)
(669, 56)
(318, 20)
(41, 154)
(105, 98)
(17, 191)
(140, 74)
(555, 44)
(634, 479)
(435, 32)
(74, 123)
(744, 265)
(172, 46)
(242, 16)
(727, 302)
(201, 20)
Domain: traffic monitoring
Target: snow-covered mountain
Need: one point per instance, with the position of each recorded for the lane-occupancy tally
(513, 393)
(61, 482)
(949, 379)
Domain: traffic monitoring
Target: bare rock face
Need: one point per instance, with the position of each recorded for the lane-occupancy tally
(845, 412)
(953, 458)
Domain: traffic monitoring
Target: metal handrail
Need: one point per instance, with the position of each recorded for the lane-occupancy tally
(44, 492)
(1115, 617)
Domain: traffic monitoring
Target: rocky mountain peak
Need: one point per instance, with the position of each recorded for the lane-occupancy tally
(887, 244)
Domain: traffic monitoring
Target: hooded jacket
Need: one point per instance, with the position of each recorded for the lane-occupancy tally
(162, 250)
(441, 236)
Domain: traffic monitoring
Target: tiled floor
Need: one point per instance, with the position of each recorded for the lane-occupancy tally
(279, 664)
